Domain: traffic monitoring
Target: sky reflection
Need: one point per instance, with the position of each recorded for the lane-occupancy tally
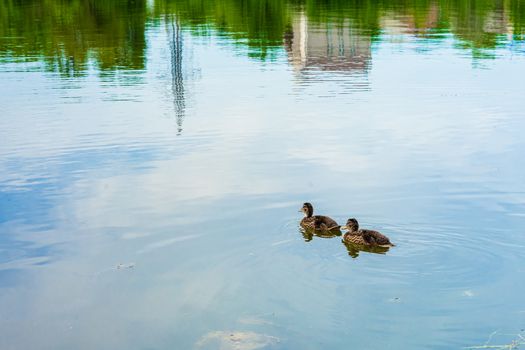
(182, 143)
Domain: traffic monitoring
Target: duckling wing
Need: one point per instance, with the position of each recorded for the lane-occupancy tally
(375, 237)
(329, 222)
(368, 238)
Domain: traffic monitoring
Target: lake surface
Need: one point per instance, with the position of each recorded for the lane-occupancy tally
(154, 156)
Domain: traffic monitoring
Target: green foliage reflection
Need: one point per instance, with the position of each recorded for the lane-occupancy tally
(66, 34)
(260, 24)
(70, 35)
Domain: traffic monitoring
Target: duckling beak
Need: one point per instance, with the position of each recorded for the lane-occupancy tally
(344, 227)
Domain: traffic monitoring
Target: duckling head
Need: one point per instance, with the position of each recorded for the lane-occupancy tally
(351, 225)
(307, 209)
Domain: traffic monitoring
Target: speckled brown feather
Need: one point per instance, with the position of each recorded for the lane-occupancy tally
(367, 237)
(354, 237)
(319, 222)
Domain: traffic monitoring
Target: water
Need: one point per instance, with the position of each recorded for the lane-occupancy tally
(154, 156)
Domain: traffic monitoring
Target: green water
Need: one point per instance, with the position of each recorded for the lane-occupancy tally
(154, 156)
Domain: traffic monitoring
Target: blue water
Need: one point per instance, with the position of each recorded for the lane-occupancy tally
(150, 179)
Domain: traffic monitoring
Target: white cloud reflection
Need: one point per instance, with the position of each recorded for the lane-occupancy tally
(120, 186)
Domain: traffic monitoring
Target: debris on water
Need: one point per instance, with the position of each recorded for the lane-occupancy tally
(395, 300)
(516, 343)
(468, 293)
(236, 340)
(125, 266)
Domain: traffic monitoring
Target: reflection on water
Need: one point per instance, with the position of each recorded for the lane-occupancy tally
(308, 234)
(176, 50)
(68, 37)
(153, 155)
(354, 249)
(328, 47)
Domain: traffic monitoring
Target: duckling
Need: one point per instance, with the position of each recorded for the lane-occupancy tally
(320, 230)
(364, 237)
(316, 222)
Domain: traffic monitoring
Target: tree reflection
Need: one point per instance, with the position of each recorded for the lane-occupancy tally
(259, 24)
(350, 27)
(70, 37)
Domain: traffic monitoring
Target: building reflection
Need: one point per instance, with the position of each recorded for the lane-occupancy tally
(327, 46)
(176, 44)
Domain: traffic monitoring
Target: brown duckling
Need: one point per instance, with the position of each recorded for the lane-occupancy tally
(320, 230)
(316, 222)
(364, 237)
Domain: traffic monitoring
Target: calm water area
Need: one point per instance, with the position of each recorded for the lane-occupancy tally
(154, 156)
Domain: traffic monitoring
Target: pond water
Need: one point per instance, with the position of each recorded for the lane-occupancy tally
(154, 156)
